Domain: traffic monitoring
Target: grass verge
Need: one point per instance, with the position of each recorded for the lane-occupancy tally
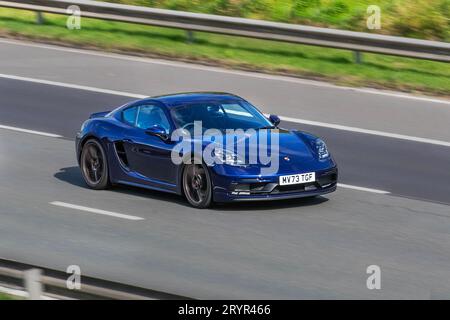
(4, 296)
(425, 19)
(332, 65)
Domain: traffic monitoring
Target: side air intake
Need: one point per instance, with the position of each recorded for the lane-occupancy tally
(121, 154)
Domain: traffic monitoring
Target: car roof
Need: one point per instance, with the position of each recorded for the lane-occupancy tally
(176, 99)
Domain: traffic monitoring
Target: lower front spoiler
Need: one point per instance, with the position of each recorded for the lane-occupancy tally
(227, 197)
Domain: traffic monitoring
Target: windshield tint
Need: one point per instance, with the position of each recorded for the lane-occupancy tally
(219, 115)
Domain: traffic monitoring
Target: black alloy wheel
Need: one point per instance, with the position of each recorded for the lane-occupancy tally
(94, 165)
(197, 185)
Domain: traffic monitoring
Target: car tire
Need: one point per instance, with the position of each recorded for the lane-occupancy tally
(94, 165)
(197, 185)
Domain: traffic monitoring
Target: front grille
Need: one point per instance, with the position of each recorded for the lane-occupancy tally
(324, 180)
(295, 188)
(254, 188)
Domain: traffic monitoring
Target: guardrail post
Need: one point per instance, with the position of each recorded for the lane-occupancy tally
(190, 36)
(39, 17)
(32, 283)
(358, 57)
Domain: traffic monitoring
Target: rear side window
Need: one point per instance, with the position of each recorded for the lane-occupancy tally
(150, 115)
(129, 116)
(145, 116)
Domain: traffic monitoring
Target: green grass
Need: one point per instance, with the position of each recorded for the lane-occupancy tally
(427, 19)
(4, 296)
(234, 52)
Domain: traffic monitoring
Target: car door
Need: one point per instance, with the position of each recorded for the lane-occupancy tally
(149, 155)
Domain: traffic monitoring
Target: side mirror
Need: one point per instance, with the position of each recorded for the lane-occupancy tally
(158, 131)
(274, 119)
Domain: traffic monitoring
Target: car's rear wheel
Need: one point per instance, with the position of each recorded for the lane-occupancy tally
(197, 185)
(94, 165)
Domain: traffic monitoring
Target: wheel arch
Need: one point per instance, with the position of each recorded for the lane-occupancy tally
(83, 142)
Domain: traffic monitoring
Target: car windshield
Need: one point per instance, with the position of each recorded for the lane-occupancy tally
(220, 115)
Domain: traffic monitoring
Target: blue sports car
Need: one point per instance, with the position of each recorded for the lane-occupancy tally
(208, 147)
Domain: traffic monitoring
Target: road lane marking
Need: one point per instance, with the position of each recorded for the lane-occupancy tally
(93, 210)
(73, 86)
(258, 75)
(290, 119)
(347, 186)
(119, 215)
(40, 133)
(366, 131)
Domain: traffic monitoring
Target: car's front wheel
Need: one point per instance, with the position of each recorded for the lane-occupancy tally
(94, 165)
(197, 185)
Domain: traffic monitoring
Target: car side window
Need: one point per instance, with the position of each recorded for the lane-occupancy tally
(129, 116)
(150, 115)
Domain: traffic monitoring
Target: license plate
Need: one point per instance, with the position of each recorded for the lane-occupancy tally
(297, 178)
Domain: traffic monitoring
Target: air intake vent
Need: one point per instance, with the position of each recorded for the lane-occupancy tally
(121, 154)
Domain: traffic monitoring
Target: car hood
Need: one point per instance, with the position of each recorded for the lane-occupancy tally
(295, 153)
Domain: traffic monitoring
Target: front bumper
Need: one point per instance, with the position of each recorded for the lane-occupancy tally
(268, 188)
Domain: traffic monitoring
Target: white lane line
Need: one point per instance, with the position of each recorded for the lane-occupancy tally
(367, 131)
(119, 215)
(225, 71)
(46, 134)
(97, 211)
(73, 86)
(290, 119)
(347, 186)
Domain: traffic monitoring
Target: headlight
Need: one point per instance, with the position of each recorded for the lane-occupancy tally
(228, 157)
(321, 149)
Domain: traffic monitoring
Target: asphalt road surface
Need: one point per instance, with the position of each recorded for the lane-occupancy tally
(289, 249)
(406, 168)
